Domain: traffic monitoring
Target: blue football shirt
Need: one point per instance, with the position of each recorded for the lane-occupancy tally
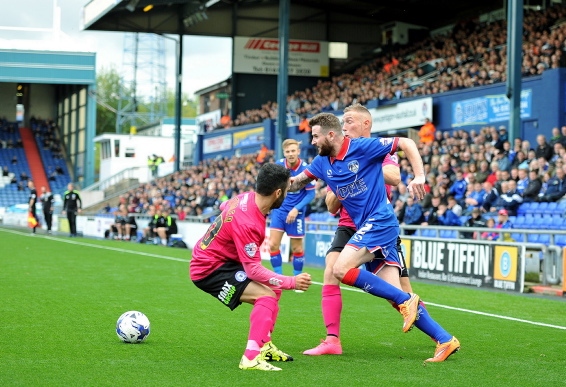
(356, 176)
(294, 198)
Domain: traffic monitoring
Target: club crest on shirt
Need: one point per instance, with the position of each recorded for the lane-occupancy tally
(241, 276)
(251, 249)
(329, 173)
(354, 166)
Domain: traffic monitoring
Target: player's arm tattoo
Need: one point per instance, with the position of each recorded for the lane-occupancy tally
(299, 182)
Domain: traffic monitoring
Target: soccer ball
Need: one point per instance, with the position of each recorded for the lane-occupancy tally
(132, 327)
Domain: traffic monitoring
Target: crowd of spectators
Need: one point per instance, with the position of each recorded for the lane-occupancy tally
(472, 178)
(199, 190)
(475, 176)
(473, 54)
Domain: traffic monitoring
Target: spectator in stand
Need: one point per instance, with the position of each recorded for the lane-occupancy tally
(454, 206)
(476, 198)
(556, 137)
(483, 172)
(531, 157)
(556, 187)
(431, 213)
(503, 222)
(531, 192)
(523, 181)
(413, 214)
(458, 188)
(399, 210)
(304, 126)
(503, 162)
(510, 199)
(474, 221)
(262, 155)
(5, 171)
(489, 235)
(491, 196)
(446, 217)
(492, 178)
(559, 152)
(399, 193)
(14, 160)
(519, 159)
(543, 148)
(426, 132)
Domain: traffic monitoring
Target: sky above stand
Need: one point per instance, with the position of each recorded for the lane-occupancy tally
(206, 60)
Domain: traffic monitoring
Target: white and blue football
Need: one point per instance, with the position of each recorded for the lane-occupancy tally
(132, 327)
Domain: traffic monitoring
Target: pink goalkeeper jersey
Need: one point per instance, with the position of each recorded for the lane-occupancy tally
(345, 219)
(236, 235)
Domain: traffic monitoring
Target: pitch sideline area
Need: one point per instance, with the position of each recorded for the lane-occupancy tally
(79, 242)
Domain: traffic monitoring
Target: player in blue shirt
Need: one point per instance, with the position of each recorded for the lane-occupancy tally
(352, 168)
(290, 217)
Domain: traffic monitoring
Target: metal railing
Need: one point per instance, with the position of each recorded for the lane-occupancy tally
(129, 173)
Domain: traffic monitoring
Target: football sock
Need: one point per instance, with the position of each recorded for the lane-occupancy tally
(164, 242)
(260, 324)
(331, 309)
(374, 285)
(426, 324)
(275, 311)
(276, 261)
(298, 262)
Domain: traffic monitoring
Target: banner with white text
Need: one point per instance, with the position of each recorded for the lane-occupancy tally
(472, 264)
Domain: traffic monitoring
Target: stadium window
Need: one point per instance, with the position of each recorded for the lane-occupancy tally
(105, 150)
(116, 148)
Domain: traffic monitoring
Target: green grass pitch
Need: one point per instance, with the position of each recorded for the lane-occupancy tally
(60, 299)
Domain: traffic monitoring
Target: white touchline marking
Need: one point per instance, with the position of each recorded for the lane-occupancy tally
(72, 242)
(468, 311)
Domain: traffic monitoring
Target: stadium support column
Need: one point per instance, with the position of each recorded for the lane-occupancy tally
(514, 62)
(178, 104)
(90, 130)
(282, 78)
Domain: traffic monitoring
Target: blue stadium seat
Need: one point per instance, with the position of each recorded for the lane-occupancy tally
(449, 234)
(532, 238)
(518, 237)
(540, 208)
(529, 222)
(551, 208)
(519, 222)
(560, 240)
(544, 238)
(524, 208)
(428, 233)
(547, 223)
(539, 223)
(464, 219)
(561, 208)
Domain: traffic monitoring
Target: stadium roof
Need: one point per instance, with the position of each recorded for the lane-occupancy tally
(360, 23)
